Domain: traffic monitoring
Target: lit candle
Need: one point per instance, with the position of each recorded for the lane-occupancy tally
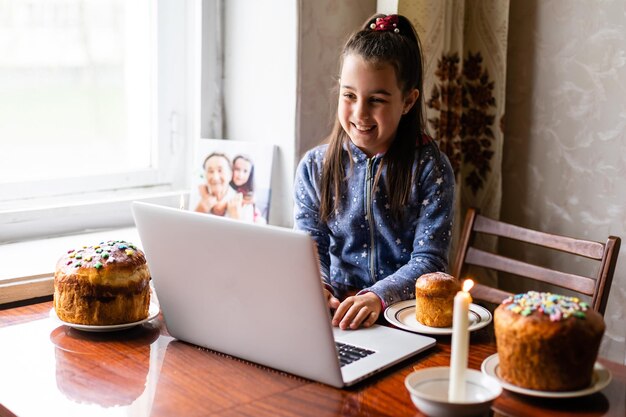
(460, 343)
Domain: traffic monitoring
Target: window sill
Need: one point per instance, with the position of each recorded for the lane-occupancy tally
(72, 216)
(28, 267)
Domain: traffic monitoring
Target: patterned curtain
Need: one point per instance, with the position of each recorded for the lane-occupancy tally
(464, 45)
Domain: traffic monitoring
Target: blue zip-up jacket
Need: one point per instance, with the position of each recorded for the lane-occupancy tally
(361, 247)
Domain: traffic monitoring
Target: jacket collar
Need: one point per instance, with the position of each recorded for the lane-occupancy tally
(357, 154)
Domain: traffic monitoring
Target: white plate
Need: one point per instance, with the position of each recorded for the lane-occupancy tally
(153, 311)
(600, 379)
(402, 315)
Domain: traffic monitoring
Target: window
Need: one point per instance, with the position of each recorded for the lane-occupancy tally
(96, 104)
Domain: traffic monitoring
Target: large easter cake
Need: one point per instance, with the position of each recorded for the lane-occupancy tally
(547, 342)
(104, 284)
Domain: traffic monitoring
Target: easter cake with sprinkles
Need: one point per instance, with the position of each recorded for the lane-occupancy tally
(547, 342)
(104, 284)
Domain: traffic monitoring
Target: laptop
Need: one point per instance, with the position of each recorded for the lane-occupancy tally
(255, 292)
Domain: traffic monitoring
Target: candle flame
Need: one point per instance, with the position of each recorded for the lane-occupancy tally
(467, 285)
(181, 204)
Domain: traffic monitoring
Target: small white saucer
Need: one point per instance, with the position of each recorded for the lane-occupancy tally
(600, 379)
(153, 311)
(429, 392)
(402, 315)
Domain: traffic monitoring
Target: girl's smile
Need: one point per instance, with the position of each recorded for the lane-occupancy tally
(371, 103)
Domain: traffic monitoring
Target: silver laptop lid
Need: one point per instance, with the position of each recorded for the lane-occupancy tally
(227, 289)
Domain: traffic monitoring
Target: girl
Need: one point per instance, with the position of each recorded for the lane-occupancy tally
(378, 197)
(243, 183)
(243, 175)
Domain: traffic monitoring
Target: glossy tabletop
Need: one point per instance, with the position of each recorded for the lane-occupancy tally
(47, 368)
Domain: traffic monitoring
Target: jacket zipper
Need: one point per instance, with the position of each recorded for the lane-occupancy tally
(369, 184)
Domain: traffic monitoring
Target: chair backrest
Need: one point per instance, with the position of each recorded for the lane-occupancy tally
(597, 287)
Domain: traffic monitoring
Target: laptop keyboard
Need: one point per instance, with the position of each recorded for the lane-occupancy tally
(349, 353)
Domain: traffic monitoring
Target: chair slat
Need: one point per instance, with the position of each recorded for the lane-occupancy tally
(586, 248)
(489, 294)
(597, 286)
(578, 283)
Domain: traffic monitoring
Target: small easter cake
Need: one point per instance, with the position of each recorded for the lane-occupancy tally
(547, 342)
(104, 284)
(434, 298)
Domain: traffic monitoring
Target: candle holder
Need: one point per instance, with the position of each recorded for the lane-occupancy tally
(429, 392)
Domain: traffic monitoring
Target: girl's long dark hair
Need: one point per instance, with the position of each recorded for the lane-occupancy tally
(403, 52)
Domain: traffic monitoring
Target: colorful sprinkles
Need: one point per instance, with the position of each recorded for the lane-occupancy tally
(557, 307)
(100, 254)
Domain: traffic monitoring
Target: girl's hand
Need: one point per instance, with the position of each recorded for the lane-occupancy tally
(358, 310)
(332, 302)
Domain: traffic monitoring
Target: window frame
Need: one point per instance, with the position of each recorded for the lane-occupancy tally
(99, 202)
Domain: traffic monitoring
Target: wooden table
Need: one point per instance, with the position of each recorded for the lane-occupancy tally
(49, 369)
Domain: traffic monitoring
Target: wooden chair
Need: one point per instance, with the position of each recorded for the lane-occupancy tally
(597, 287)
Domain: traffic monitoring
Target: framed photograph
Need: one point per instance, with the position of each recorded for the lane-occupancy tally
(232, 178)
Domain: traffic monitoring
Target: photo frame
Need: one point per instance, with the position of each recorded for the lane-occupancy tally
(232, 178)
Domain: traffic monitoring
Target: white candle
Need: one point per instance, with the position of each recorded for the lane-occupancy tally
(460, 343)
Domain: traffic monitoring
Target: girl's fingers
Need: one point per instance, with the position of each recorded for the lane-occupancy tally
(370, 319)
(364, 311)
(353, 317)
(361, 315)
(354, 312)
(343, 315)
(332, 302)
(339, 313)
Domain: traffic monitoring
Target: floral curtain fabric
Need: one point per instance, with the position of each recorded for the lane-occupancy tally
(465, 47)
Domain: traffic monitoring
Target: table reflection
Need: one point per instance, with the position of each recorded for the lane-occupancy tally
(118, 378)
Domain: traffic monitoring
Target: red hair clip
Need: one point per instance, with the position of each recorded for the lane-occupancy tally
(387, 23)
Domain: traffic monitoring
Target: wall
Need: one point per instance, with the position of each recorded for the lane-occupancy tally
(260, 67)
(324, 27)
(564, 165)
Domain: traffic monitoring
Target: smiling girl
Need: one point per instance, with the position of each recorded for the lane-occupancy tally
(378, 197)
